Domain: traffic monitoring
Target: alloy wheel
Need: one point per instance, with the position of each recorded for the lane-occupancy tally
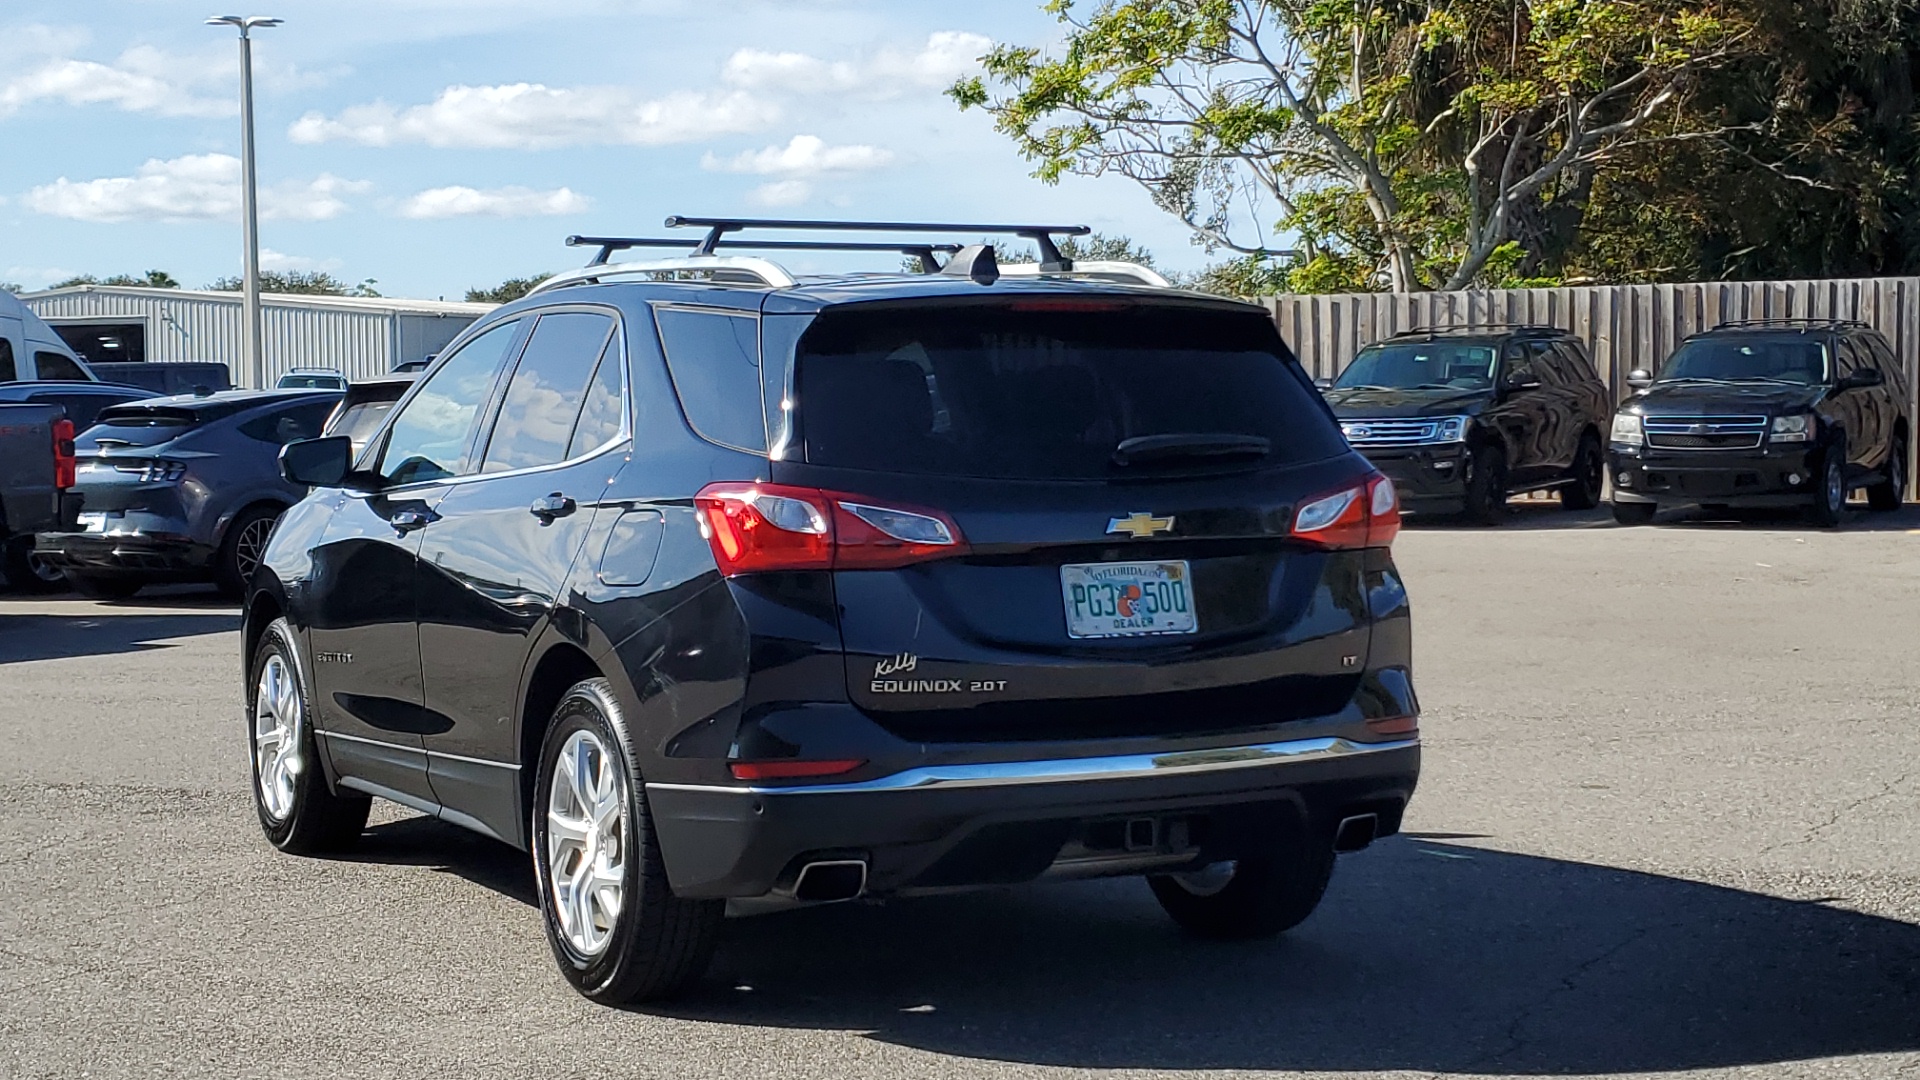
(45, 571)
(276, 737)
(249, 546)
(1208, 880)
(586, 843)
(1836, 492)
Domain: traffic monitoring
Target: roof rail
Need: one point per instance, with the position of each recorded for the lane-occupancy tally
(610, 244)
(1041, 235)
(1536, 329)
(1792, 320)
(721, 269)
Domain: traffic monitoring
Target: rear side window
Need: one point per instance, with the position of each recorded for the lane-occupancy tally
(429, 439)
(714, 358)
(1046, 394)
(606, 399)
(1578, 364)
(543, 397)
(282, 426)
(57, 368)
(7, 371)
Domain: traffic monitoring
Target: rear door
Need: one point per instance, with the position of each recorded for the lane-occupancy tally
(1520, 415)
(1115, 584)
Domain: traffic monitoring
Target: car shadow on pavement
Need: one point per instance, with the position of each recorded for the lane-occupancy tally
(1427, 957)
(436, 845)
(30, 637)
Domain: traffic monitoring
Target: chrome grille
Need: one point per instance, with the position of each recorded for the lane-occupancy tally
(1389, 432)
(1705, 432)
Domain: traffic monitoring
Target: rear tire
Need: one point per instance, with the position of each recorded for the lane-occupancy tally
(299, 813)
(1267, 894)
(26, 573)
(1890, 493)
(104, 586)
(618, 932)
(1487, 486)
(1627, 513)
(241, 549)
(1589, 466)
(1830, 499)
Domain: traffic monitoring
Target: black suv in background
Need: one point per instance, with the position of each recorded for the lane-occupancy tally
(739, 586)
(1766, 414)
(1461, 419)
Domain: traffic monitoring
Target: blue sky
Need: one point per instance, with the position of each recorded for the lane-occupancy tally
(435, 145)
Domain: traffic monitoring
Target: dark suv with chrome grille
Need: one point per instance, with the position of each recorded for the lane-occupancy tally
(1769, 413)
(1461, 419)
(703, 582)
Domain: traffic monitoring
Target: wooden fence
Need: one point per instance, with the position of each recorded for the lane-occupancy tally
(1625, 326)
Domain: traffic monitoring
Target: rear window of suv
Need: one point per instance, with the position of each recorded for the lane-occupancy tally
(135, 426)
(1032, 391)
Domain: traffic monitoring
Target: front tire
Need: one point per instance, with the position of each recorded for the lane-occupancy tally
(1582, 492)
(617, 930)
(1890, 493)
(1260, 896)
(1487, 486)
(299, 813)
(1830, 501)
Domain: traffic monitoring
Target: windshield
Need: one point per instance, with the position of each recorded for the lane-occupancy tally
(311, 382)
(1795, 359)
(1033, 391)
(1431, 365)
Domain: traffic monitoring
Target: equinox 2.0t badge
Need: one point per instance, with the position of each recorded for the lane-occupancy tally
(1140, 525)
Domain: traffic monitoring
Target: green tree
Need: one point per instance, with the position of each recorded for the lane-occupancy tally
(11, 287)
(507, 291)
(1410, 146)
(152, 279)
(303, 282)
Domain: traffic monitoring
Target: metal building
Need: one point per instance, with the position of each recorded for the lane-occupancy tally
(359, 336)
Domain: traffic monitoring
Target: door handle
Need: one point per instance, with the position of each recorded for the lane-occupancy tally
(408, 520)
(549, 507)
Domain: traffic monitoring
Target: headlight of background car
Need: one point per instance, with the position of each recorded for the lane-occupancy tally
(1452, 429)
(1793, 428)
(1626, 429)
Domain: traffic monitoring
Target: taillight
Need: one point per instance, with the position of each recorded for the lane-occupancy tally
(791, 769)
(1365, 515)
(64, 465)
(754, 528)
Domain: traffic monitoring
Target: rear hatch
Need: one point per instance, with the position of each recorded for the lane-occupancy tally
(1121, 480)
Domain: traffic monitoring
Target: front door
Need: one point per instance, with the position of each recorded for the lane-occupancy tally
(494, 565)
(1519, 414)
(364, 639)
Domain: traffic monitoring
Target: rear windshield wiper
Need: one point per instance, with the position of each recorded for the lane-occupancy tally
(1146, 449)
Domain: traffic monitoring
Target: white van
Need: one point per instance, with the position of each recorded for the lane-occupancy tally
(29, 349)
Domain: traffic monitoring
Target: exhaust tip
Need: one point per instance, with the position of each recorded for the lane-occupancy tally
(1356, 832)
(826, 882)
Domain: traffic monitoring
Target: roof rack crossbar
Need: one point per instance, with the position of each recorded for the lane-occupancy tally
(1051, 258)
(1473, 327)
(608, 245)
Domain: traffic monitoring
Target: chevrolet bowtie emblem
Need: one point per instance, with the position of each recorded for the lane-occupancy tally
(1140, 525)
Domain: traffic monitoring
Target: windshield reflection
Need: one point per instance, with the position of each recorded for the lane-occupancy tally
(1731, 359)
(1426, 365)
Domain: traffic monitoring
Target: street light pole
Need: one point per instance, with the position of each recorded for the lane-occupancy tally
(252, 330)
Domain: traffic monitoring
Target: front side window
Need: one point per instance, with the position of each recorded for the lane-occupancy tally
(1518, 366)
(1425, 365)
(714, 358)
(430, 437)
(57, 368)
(537, 412)
(1788, 358)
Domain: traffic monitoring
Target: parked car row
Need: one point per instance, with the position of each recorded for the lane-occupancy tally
(1769, 413)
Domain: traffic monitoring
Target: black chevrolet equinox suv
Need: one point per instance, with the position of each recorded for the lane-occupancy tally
(701, 582)
(1770, 413)
(1461, 419)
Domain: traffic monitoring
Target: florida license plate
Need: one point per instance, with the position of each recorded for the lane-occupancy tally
(1106, 600)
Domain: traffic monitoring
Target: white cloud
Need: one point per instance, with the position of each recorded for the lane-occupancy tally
(445, 202)
(804, 155)
(198, 187)
(37, 277)
(140, 82)
(781, 193)
(281, 262)
(887, 72)
(528, 116)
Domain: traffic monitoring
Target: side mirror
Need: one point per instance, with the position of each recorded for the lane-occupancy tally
(1861, 378)
(1323, 383)
(1639, 378)
(317, 462)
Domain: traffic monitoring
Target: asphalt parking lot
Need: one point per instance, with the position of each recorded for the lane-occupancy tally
(1668, 823)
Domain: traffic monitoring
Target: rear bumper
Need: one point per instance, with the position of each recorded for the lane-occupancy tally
(1755, 478)
(1003, 822)
(131, 555)
(1429, 478)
